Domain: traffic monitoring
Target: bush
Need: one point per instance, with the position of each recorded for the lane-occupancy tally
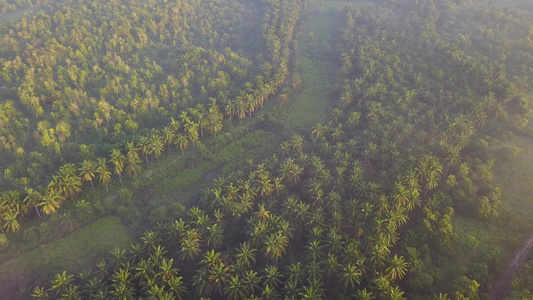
(4, 242)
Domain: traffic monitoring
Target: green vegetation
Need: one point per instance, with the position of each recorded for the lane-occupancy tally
(76, 252)
(390, 160)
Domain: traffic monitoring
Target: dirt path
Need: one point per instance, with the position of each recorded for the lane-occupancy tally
(502, 287)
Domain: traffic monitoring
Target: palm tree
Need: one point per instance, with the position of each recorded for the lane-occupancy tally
(272, 277)
(66, 182)
(144, 146)
(87, 169)
(400, 194)
(215, 236)
(191, 129)
(190, 245)
(182, 142)
(314, 250)
(104, 176)
(68, 224)
(11, 224)
(202, 283)
(61, 283)
(118, 160)
(251, 282)
(84, 210)
(39, 293)
(364, 294)
(176, 287)
(218, 275)
(33, 198)
(50, 202)
(131, 150)
(234, 288)
(167, 137)
(166, 271)
(245, 254)
(397, 268)
(156, 146)
(350, 276)
(133, 166)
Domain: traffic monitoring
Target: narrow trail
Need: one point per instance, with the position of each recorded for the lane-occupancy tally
(504, 284)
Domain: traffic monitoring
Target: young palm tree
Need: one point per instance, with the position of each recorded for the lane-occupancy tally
(215, 236)
(61, 283)
(84, 211)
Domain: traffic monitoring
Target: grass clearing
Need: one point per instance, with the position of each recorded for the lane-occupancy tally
(17, 15)
(312, 104)
(525, 6)
(80, 250)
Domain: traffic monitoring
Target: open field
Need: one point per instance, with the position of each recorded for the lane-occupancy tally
(81, 250)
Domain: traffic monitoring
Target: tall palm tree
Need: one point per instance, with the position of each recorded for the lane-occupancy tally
(144, 146)
(156, 146)
(86, 171)
(167, 136)
(33, 198)
(182, 142)
(118, 160)
(133, 165)
(103, 174)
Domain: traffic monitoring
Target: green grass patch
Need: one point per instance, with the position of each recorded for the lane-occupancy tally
(79, 251)
(179, 178)
(312, 105)
(18, 14)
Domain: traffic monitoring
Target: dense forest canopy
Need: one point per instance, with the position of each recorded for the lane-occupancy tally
(361, 206)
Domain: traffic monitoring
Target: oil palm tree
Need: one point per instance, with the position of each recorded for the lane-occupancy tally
(234, 288)
(245, 254)
(397, 267)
